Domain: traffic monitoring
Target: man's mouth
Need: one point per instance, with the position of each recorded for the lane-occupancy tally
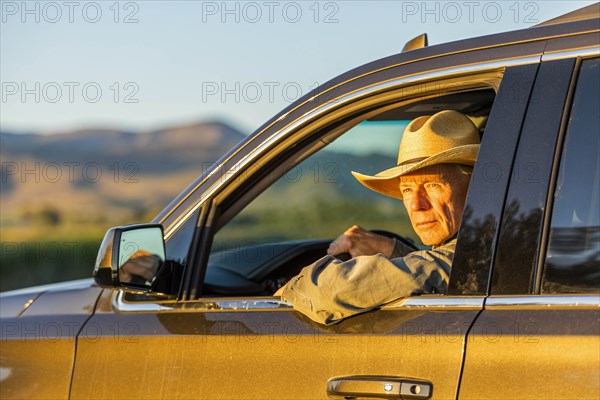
(425, 224)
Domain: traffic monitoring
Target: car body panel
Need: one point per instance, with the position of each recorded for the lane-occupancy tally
(255, 352)
(531, 351)
(38, 344)
(13, 304)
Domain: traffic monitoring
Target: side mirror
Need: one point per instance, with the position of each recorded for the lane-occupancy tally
(130, 256)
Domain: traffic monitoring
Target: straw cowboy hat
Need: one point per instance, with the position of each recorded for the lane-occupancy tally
(447, 137)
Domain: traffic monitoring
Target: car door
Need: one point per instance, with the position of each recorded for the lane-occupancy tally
(257, 346)
(539, 334)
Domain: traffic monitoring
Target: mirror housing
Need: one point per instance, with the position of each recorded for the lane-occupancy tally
(130, 257)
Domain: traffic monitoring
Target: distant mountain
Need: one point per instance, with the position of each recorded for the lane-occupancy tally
(162, 151)
(102, 171)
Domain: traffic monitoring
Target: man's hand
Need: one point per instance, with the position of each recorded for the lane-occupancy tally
(361, 242)
(142, 264)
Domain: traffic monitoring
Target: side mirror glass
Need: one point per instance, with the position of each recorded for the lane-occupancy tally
(130, 256)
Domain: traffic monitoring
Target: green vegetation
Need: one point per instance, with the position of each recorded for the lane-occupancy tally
(46, 245)
(34, 263)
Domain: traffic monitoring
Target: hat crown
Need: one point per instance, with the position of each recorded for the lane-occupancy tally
(429, 135)
(447, 137)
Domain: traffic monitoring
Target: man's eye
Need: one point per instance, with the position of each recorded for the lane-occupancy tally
(433, 185)
(405, 190)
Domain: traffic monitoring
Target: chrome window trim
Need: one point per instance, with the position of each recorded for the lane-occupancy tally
(121, 305)
(543, 302)
(438, 302)
(345, 99)
(587, 52)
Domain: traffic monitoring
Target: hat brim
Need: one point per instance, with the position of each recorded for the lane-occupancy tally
(386, 182)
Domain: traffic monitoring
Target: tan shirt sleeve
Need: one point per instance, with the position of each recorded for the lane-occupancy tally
(330, 290)
(400, 249)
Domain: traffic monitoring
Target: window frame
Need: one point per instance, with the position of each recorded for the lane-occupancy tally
(316, 134)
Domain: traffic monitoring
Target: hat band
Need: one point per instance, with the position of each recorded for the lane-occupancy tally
(412, 161)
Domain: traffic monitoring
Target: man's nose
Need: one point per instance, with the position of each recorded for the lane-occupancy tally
(419, 201)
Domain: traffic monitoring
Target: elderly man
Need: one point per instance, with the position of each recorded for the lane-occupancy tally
(435, 161)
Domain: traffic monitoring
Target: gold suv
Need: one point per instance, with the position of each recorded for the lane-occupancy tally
(521, 316)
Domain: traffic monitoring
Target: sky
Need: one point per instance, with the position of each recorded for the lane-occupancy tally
(143, 65)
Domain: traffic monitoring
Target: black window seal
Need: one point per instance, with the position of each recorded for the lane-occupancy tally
(191, 272)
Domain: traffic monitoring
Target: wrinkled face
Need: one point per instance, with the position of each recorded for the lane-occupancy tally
(434, 197)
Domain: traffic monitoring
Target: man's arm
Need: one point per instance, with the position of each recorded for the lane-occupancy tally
(330, 290)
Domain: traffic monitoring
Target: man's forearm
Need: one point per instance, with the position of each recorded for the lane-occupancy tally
(330, 290)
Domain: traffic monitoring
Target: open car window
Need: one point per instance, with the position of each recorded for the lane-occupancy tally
(291, 223)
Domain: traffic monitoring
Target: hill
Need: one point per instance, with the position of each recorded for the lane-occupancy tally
(95, 175)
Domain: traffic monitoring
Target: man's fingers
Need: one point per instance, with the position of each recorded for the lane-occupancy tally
(358, 241)
(339, 246)
(346, 242)
(332, 250)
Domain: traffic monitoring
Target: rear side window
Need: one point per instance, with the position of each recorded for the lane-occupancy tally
(572, 263)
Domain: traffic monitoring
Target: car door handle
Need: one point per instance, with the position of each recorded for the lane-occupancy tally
(381, 387)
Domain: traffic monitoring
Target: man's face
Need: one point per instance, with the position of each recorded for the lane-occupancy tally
(434, 197)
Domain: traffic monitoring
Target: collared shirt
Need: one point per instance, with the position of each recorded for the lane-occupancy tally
(330, 290)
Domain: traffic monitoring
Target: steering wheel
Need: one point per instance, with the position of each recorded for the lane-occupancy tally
(393, 235)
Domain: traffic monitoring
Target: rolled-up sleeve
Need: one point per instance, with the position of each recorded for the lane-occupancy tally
(330, 290)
